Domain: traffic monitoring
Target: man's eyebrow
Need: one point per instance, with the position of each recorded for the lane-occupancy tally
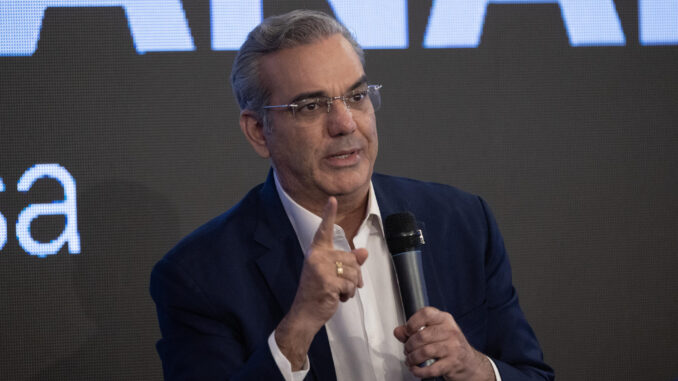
(358, 83)
(302, 96)
(316, 94)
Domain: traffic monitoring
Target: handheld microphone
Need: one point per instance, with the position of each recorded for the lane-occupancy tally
(403, 237)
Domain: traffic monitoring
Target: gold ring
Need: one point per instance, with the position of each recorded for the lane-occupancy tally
(340, 268)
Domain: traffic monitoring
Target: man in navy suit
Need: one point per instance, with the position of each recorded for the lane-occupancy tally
(295, 281)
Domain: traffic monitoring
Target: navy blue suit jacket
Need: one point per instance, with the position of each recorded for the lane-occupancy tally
(223, 289)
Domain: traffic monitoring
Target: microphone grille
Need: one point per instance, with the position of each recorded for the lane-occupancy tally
(402, 233)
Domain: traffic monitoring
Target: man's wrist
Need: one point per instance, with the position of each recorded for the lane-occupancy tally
(284, 364)
(497, 376)
(488, 372)
(484, 370)
(293, 340)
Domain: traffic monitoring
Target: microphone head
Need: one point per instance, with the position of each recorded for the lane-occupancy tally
(402, 233)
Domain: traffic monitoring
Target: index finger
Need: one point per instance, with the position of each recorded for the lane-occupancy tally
(324, 235)
(425, 317)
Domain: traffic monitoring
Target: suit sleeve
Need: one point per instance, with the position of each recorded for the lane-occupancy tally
(197, 343)
(511, 343)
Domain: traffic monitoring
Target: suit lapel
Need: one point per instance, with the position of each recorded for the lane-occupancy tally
(395, 199)
(281, 267)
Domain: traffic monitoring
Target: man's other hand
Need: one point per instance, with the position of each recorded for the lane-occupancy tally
(434, 334)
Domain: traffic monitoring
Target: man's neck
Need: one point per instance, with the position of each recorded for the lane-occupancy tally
(351, 209)
(351, 215)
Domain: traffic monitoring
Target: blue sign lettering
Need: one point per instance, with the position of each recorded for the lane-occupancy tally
(377, 24)
(658, 22)
(66, 207)
(459, 23)
(155, 26)
(232, 21)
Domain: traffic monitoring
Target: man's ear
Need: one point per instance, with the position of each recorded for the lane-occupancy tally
(253, 129)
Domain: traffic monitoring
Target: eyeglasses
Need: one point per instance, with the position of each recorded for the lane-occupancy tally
(311, 109)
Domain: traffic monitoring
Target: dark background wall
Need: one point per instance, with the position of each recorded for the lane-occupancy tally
(575, 148)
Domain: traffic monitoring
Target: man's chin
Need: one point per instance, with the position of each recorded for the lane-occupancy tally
(344, 186)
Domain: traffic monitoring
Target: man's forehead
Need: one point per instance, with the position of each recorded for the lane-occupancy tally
(325, 65)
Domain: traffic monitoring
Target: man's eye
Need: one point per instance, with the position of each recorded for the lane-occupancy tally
(309, 107)
(357, 97)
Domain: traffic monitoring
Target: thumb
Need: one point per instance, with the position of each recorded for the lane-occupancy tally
(324, 236)
(360, 255)
(400, 333)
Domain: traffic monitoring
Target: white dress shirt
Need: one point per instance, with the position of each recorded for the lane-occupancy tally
(360, 333)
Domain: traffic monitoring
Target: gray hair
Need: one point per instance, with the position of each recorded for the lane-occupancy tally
(299, 27)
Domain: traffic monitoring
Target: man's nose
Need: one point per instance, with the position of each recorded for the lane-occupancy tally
(340, 118)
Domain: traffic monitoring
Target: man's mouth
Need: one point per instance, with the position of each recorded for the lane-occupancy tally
(343, 155)
(344, 158)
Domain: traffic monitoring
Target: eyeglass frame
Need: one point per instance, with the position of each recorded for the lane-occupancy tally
(330, 100)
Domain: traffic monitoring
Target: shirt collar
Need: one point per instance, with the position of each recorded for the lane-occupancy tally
(305, 223)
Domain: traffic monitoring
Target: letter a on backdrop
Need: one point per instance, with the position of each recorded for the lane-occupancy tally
(155, 25)
(67, 207)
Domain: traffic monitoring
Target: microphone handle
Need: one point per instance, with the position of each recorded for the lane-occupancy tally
(411, 281)
(412, 286)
